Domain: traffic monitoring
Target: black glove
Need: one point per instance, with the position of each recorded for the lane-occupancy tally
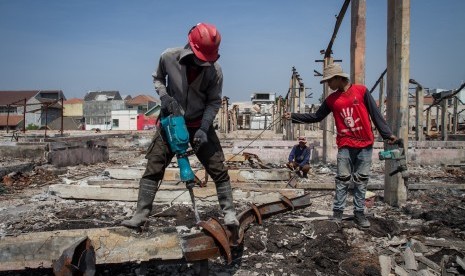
(200, 137)
(170, 106)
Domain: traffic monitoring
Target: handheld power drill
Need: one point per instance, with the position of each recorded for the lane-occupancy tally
(398, 155)
(177, 135)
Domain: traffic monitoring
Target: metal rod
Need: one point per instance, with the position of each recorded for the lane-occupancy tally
(336, 28)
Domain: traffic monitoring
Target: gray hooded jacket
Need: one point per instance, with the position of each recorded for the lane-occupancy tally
(200, 99)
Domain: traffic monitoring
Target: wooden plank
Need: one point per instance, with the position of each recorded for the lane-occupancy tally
(111, 245)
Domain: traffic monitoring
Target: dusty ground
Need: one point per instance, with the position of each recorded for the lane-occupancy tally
(303, 242)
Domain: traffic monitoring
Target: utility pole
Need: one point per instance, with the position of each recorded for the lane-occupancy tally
(398, 66)
(357, 41)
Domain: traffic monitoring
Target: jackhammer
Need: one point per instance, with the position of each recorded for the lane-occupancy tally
(177, 135)
(398, 155)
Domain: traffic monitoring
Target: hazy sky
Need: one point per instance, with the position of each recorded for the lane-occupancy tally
(85, 45)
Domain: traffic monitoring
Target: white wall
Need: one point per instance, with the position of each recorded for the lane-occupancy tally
(127, 119)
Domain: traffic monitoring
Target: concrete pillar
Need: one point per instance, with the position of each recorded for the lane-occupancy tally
(428, 122)
(398, 66)
(455, 115)
(328, 122)
(419, 114)
(358, 34)
(444, 120)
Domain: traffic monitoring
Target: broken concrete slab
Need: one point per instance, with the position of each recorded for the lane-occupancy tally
(168, 194)
(409, 259)
(112, 245)
(385, 263)
(432, 265)
(27, 151)
(23, 167)
(172, 174)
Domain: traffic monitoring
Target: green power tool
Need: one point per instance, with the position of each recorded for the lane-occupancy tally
(398, 155)
(178, 139)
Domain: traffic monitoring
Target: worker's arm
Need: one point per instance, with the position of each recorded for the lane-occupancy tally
(213, 102)
(159, 78)
(376, 116)
(306, 159)
(318, 116)
(291, 155)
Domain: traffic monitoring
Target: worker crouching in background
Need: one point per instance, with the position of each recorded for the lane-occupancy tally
(299, 158)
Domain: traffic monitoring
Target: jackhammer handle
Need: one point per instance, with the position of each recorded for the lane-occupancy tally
(399, 142)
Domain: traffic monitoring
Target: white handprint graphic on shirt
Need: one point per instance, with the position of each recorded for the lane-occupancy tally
(348, 119)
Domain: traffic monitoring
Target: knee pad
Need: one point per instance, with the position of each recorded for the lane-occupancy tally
(361, 177)
(343, 178)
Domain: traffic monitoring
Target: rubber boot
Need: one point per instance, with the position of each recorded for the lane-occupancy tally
(337, 216)
(224, 193)
(360, 219)
(147, 190)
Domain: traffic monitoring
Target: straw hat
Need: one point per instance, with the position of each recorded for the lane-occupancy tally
(332, 70)
(302, 139)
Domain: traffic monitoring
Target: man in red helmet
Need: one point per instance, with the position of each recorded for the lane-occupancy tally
(189, 81)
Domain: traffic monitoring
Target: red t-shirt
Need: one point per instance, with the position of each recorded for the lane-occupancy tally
(351, 117)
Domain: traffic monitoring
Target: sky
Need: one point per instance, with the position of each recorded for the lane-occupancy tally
(90, 45)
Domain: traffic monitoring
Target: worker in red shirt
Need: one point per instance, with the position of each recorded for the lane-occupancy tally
(353, 108)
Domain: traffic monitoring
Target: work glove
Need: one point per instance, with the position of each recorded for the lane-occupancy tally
(170, 106)
(200, 137)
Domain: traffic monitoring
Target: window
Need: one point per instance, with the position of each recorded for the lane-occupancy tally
(115, 122)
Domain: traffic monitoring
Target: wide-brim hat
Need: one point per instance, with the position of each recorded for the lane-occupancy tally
(333, 70)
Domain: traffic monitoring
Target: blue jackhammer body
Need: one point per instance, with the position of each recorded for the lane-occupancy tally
(178, 139)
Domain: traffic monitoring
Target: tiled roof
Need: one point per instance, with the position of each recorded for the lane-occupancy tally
(9, 97)
(13, 120)
(141, 99)
(73, 101)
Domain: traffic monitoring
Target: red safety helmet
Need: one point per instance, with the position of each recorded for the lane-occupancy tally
(205, 40)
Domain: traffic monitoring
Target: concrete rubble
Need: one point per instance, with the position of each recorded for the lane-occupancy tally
(424, 237)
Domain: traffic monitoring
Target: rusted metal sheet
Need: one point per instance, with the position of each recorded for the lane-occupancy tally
(78, 259)
(112, 245)
(222, 234)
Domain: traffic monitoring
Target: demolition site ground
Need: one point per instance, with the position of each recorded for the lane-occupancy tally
(301, 242)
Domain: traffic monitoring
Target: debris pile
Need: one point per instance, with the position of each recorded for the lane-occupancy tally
(424, 237)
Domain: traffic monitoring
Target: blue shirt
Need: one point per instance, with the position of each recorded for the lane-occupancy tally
(300, 155)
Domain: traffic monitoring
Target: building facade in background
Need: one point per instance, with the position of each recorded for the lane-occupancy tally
(98, 106)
